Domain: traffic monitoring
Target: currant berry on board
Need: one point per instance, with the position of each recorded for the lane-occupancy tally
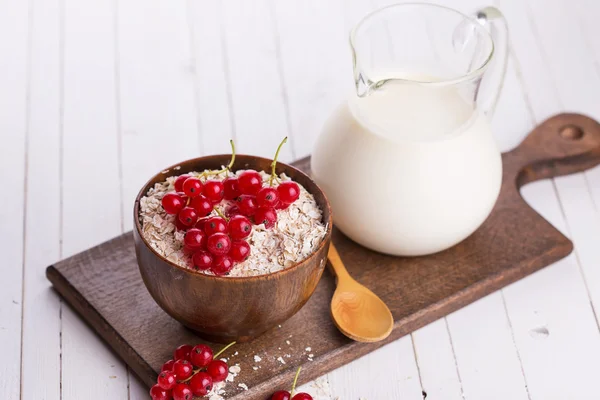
(168, 366)
(201, 384)
(158, 393)
(302, 396)
(166, 380)
(218, 370)
(182, 369)
(182, 353)
(182, 392)
(201, 355)
(281, 395)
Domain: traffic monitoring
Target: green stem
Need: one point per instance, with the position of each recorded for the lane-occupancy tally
(220, 171)
(222, 350)
(220, 214)
(295, 381)
(274, 163)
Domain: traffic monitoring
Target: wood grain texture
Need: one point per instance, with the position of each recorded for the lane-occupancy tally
(104, 286)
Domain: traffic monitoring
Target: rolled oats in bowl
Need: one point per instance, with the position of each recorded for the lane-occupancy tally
(296, 234)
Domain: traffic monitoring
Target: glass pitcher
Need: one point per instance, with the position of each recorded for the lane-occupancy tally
(409, 162)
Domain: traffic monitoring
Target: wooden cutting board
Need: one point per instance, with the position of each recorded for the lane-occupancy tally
(104, 286)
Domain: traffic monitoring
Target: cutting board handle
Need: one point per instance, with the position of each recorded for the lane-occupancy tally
(561, 145)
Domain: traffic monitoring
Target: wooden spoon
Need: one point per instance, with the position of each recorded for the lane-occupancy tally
(357, 312)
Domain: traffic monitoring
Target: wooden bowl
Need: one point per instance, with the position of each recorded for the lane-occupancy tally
(223, 309)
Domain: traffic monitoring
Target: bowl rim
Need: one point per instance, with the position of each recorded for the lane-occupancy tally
(269, 276)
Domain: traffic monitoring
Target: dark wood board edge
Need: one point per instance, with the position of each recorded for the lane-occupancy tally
(97, 322)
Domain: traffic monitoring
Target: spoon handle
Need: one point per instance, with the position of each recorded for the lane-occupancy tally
(336, 263)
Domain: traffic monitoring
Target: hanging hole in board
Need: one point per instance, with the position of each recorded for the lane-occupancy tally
(571, 132)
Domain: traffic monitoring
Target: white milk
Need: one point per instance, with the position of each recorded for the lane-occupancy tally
(409, 169)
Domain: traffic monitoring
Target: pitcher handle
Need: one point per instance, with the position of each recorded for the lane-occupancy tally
(492, 19)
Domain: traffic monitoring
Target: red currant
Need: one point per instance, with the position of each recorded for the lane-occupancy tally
(158, 393)
(281, 205)
(281, 395)
(240, 250)
(201, 355)
(179, 182)
(168, 366)
(182, 369)
(182, 352)
(214, 191)
(217, 369)
(202, 205)
(194, 239)
(219, 244)
(240, 227)
(200, 223)
(179, 226)
(266, 216)
(166, 380)
(215, 225)
(202, 260)
(201, 384)
(249, 182)
(267, 197)
(182, 392)
(221, 265)
(302, 396)
(233, 210)
(231, 188)
(172, 203)
(247, 205)
(192, 187)
(188, 216)
(288, 192)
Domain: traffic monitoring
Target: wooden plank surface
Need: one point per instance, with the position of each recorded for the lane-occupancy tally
(556, 54)
(103, 284)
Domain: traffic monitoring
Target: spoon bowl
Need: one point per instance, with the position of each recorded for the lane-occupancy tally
(357, 312)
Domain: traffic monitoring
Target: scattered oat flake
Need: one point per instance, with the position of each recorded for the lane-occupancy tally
(257, 359)
(308, 349)
(243, 386)
(236, 353)
(255, 368)
(235, 369)
(281, 360)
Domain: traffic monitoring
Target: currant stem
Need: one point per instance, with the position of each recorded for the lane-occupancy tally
(295, 381)
(206, 174)
(222, 350)
(274, 163)
(220, 214)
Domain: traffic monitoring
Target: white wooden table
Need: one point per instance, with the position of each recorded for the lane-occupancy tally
(97, 95)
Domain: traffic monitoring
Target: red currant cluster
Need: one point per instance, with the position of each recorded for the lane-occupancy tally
(192, 372)
(218, 242)
(285, 395)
